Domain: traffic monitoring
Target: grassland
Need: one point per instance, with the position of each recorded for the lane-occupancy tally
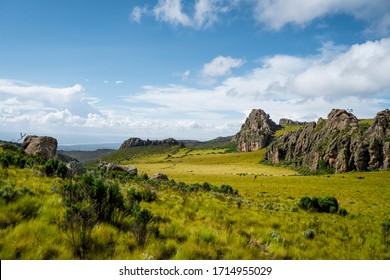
(262, 222)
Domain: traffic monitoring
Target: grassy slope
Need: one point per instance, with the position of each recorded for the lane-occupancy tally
(287, 128)
(263, 223)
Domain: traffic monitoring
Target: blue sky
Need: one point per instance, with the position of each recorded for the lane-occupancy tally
(103, 71)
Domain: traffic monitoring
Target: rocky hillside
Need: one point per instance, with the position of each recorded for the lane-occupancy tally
(340, 143)
(137, 142)
(256, 133)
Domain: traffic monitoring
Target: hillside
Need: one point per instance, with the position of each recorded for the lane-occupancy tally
(88, 156)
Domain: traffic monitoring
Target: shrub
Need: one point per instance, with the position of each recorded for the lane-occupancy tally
(342, 212)
(386, 232)
(51, 167)
(322, 205)
(328, 205)
(4, 161)
(141, 226)
(62, 170)
(309, 233)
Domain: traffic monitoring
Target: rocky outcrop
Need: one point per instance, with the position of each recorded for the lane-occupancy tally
(75, 168)
(284, 122)
(43, 146)
(339, 143)
(256, 133)
(159, 176)
(109, 166)
(137, 142)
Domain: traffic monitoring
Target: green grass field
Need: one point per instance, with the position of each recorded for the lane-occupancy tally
(262, 222)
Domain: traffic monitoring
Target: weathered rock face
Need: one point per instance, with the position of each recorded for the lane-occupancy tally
(159, 176)
(256, 133)
(285, 121)
(109, 166)
(338, 143)
(43, 146)
(137, 142)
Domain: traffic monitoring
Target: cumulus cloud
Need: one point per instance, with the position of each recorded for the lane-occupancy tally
(221, 66)
(204, 13)
(302, 88)
(297, 87)
(171, 11)
(118, 82)
(53, 94)
(277, 13)
(137, 13)
(274, 14)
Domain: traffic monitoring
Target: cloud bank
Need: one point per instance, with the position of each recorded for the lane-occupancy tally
(301, 88)
(273, 14)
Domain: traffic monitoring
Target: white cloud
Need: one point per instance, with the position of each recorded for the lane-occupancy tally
(171, 11)
(186, 75)
(277, 13)
(274, 14)
(221, 66)
(118, 82)
(301, 88)
(208, 12)
(47, 94)
(137, 13)
(204, 12)
(361, 71)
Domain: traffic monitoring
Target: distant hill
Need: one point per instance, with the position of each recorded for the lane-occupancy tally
(88, 147)
(87, 156)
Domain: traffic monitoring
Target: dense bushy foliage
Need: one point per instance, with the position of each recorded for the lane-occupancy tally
(225, 189)
(92, 199)
(8, 193)
(321, 205)
(56, 167)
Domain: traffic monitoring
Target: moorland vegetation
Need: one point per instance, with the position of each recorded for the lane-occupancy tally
(216, 204)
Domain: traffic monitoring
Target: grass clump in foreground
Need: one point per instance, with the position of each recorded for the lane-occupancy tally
(212, 212)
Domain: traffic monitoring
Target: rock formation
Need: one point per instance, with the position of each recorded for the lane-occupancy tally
(137, 142)
(256, 133)
(159, 176)
(339, 143)
(285, 121)
(109, 166)
(43, 146)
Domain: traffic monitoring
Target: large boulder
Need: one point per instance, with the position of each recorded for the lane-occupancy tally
(159, 176)
(43, 146)
(256, 133)
(340, 143)
(109, 166)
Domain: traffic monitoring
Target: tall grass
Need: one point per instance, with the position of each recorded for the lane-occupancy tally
(262, 222)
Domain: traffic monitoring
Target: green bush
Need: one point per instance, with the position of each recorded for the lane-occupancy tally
(386, 232)
(323, 205)
(342, 212)
(4, 161)
(309, 234)
(141, 226)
